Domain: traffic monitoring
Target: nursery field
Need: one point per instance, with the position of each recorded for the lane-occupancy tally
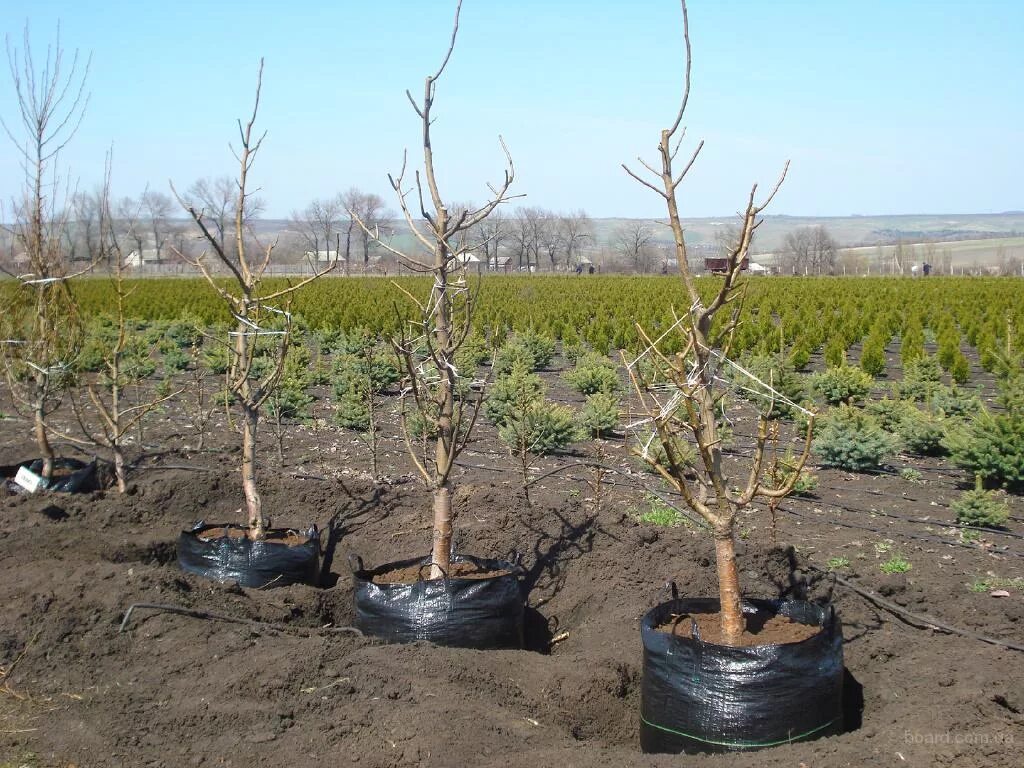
(909, 519)
(781, 313)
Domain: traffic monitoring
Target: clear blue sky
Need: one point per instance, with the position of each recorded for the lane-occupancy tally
(886, 106)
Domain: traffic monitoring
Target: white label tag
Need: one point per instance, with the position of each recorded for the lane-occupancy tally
(29, 480)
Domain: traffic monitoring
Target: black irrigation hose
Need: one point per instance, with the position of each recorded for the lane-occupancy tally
(918, 521)
(184, 467)
(961, 526)
(465, 465)
(196, 468)
(628, 479)
(915, 619)
(919, 537)
(209, 615)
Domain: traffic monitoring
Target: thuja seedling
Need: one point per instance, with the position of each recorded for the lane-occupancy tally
(896, 564)
(911, 475)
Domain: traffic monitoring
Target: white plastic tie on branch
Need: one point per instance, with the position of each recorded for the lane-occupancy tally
(644, 454)
(39, 280)
(768, 392)
(655, 343)
(671, 405)
(50, 370)
(256, 330)
(287, 315)
(664, 412)
(695, 376)
(631, 427)
(245, 321)
(421, 373)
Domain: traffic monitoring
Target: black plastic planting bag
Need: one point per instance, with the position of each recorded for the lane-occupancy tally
(701, 697)
(460, 612)
(74, 476)
(258, 564)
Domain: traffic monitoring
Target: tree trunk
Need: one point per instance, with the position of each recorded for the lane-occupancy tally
(42, 439)
(441, 555)
(444, 445)
(253, 503)
(348, 247)
(119, 467)
(728, 587)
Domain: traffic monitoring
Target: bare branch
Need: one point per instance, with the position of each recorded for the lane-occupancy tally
(451, 45)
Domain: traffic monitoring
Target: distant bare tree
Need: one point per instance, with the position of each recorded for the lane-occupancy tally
(810, 250)
(370, 209)
(493, 232)
(526, 234)
(550, 235)
(128, 218)
(576, 230)
(632, 243)
(726, 238)
(945, 262)
(852, 262)
(157, 207)
(86, 208)
(903, 257)
(519, 239)
(350, 201)
(1010, 263)
(319, 225)
(215, 199)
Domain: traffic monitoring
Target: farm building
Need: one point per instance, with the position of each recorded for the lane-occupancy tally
(137, 259)
(468, 261)
(325, 256)
(502, 264)
(717, 265)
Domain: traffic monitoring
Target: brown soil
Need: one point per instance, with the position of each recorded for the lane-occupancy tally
(285, 537)
(761, 629)
(175, 691)
(414, 573)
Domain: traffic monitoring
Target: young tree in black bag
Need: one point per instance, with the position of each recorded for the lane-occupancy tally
(696, 402)
(443, 321)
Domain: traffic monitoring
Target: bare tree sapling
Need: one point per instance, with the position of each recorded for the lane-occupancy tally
(103, 409)
(40, 328)
(260, 327)
(694, 403)
(443, 322)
